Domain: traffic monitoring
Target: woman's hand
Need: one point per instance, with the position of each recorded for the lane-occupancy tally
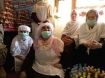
(67, 41)
(93, 44)
(23, 75)
(20, 57)
(58, 65)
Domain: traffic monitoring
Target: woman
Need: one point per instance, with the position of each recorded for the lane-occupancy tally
(20, 45)
(43, 58)
(70, 39)
(92, 41)
(42, 12)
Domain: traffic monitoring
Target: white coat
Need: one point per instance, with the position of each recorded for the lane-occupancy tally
(20, 47)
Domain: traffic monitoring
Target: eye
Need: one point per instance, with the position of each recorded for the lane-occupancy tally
(45, 28)
(23, 31)
(48, 27)
(92, 17)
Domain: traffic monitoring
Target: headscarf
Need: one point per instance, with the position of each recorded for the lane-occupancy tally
(24, 27)
(71, 28)
(40, 27)
(50, 42)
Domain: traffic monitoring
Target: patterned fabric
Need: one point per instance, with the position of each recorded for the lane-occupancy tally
(1, 33)
(2, 73)
(3, 53)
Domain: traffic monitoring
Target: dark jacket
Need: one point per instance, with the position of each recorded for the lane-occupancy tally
(28, 62)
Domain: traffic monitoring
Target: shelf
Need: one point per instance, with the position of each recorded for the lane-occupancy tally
(10, 30)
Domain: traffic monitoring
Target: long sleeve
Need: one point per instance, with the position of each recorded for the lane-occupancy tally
(35, 18)
(3, 54)
(15, 49)
(28, 62)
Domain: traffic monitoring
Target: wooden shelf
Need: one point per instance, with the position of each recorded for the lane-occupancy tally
(10, 29)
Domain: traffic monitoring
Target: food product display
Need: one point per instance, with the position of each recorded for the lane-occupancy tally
(79, 71)
(23, 17)
(12, 18)
(7, 15)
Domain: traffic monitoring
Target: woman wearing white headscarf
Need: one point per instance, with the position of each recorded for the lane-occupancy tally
(43, 59)
(70, 39)
(71, 29)
(42, 12)
(20, 45)
(91, 47)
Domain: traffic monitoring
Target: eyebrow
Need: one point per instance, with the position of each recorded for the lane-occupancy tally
(23, 31)
(45, 26)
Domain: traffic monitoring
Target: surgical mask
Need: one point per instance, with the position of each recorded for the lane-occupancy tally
(46, 34)
(91, 22)
(23, 35)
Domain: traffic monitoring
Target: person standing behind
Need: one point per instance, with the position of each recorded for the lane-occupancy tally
(20, 46)
(70, 39)
(43, 58)
(42, 12)
(91, 49)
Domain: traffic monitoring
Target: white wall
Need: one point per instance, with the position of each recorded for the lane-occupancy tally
(64, 13)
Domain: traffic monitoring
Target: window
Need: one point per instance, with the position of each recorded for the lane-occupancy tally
(90, 4)
(84, 5)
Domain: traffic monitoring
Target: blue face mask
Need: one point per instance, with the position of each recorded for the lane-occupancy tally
(23, 35)
(46, 34)
(91, 23)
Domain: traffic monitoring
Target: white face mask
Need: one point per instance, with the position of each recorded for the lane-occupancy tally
(46, 34)
(91, 22)
(23, 35)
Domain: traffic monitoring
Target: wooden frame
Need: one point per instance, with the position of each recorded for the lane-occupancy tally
(1, 5)
(73, 4)
(56, 5)
(91, 7)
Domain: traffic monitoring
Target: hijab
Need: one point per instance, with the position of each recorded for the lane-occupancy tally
(49, 43)
(71, 27)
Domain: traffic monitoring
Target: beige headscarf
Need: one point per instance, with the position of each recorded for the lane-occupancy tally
(51, 42)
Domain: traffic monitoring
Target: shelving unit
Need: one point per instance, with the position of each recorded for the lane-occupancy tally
(10, 29)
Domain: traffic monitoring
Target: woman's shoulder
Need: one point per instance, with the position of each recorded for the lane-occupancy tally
(83, 24)
(58, 40)
(100, 23)
(29, 37)
(68, 23)
(15, 37)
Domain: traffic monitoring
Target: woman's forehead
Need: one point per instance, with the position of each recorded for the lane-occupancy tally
(93, 13)
(23, 30)
(45, 26)
(74, 12)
